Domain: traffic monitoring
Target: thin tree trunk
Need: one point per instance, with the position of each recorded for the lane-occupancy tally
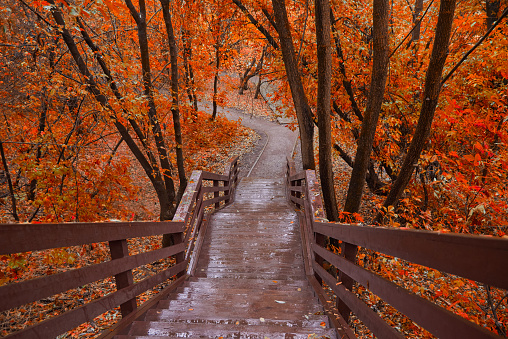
(374, 101)
(492, 11)
(216, 82)
(324, 55)
(42, 126)
(342, 68)
(380, 14)
(303, 111)
(175, 107)
(9, 183)
(416, 20)
(431, 96)
(189, 74)
(245, 78)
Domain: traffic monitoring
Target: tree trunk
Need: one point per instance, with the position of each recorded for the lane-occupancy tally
(324, 55)
(431, 96)
(248, 74)
(374, 101)
(362, 160)
(42, 126)
(245, 78)
(175, 107)
(9, 183)
(189, 73)
(416, 17)
(492, 11)
(216, 82)
(303, 111)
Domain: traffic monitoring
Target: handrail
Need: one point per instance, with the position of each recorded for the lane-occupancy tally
(186, 226)
(480, 258)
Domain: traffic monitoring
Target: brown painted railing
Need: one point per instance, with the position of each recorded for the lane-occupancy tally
(187, 226)
(480, 258)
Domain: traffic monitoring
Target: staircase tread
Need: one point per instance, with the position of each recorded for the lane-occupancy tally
(162, 329)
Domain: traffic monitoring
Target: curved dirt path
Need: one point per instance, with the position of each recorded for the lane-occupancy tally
(268, 159)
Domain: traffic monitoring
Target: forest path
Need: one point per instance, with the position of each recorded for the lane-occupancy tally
(268, 159)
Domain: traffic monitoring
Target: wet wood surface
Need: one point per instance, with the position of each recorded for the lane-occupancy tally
(249, 281)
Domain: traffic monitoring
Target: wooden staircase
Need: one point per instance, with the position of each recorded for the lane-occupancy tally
(249, 281)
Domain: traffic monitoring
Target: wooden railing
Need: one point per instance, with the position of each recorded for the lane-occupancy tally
(186, 226)
(480, 258)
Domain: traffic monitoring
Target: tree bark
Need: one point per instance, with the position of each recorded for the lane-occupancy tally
(175, 107)
(431, 96)
(9, 183)
(324, 55)
(380, 14)
(342, 68)
(189, 73)
(492, 11)
(303, 111)
(374, 102)
(216, 81)
(416, 20)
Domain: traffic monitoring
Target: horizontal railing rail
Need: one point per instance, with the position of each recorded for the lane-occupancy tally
(475, 257)
(185, 228)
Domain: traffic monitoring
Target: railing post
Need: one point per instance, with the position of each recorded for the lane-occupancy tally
(119, 249)
(348, 251)
(216, 194)
(298, 194)
(227, 192)
(180, 257)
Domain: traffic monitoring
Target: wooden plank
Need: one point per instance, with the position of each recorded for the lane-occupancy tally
(189, 197)
(14, 239)
(214, 176)
(193, 260)
(296, 200)
(370, 318)
(18, 294)
(340, 325)
(313, 194)
(232, 167)
(291, 167)
(306, 241)
(55, 326)
(214, 189)
(297, 176)
(125, 322)
(214, 200)
(119, 250)
(476, 257)
(296, 189)
(435, 319)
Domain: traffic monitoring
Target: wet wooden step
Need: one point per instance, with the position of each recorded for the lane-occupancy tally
(185, 330)
(308, 321)
(187, 292)
(219, 283)
(268, 309)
